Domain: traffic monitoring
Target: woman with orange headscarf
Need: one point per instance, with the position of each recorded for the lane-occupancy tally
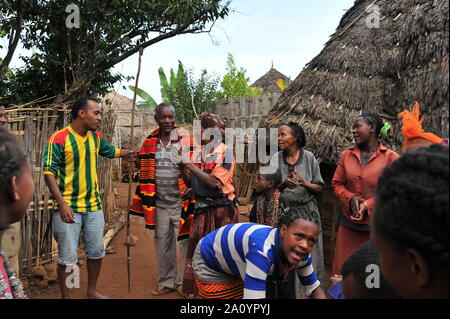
(412, 130)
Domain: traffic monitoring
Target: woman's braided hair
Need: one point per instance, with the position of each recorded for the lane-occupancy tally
(12, 157)
(373, 119)
(412, 206)
(298, 212)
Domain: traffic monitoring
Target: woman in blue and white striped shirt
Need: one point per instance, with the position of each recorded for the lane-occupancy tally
(236, 260)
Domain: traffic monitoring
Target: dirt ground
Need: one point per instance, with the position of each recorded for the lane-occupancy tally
(113, 277)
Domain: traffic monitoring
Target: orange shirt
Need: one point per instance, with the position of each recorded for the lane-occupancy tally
(351, 179)
(221, 167)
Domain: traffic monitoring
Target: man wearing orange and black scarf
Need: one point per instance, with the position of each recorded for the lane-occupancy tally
(162, 198)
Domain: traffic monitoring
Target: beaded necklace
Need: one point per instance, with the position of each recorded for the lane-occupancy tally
(268, 216)
(17, 291)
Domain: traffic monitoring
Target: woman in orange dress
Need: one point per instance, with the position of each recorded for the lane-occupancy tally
(354, 184)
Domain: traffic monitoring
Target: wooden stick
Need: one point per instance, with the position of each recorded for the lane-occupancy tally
(130, 181)
(114, 230)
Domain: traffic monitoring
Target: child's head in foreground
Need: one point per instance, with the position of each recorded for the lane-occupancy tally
(361, 276)
(299, 232)
(16, 183)
(410, 223)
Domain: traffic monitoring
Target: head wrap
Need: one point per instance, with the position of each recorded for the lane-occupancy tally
(412, 129)
(210, 120)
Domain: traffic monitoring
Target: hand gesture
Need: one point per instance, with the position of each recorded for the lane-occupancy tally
(289, 182)
(66, 213)
(363, 208)
(129, 155)
(296, 175)
(187, 193)
(357, 207)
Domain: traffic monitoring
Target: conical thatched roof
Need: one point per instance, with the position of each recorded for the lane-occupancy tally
(268, 82)
(381, 70)
(122, 106)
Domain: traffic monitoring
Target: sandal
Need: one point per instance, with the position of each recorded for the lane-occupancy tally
(182, 294)
(161, 290)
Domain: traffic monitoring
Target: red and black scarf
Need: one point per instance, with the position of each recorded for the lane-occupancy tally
(144, 200)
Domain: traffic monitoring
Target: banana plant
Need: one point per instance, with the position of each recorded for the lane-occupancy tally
(148, 102)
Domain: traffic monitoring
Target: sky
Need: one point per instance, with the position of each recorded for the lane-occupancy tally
(289, 33)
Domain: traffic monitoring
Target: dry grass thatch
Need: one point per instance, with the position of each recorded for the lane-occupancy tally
(268, 82)
(144, 121)
(381, 70)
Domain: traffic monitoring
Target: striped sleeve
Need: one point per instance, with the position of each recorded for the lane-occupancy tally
(257, 270)
(53, 155)
(107, 150)
(307, 276)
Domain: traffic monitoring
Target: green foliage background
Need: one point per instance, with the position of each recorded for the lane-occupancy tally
(80, 61)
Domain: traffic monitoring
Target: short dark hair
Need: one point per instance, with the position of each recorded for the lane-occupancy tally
(81, 104)
(373, 119)
(356, 265)
(12, 156)
(298, 133)
(412, 201)
(161, 106)
(293, 213)
(4, 104)
(274, 177)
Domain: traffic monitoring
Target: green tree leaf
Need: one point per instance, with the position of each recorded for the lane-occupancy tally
(81, 60)
(149, 101)
(235, 83)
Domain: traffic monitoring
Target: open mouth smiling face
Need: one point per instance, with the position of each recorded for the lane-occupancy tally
(298, 240)
(360, 131)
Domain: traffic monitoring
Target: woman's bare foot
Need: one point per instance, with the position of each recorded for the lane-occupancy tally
(95, 295)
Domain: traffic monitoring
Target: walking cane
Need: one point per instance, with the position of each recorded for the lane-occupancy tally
(130, 173)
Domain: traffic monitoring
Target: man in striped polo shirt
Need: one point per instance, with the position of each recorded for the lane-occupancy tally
(237, 260)
(70, 168)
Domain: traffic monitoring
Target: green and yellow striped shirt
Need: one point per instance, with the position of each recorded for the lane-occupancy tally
(72, 159)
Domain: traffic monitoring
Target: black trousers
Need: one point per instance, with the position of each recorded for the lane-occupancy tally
(283, 288)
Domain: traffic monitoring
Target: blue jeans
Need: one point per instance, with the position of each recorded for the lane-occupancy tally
(68, 236)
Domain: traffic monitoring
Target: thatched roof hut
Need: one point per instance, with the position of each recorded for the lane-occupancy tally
(381, 70)
(144, 121)
(117, 114)
(268, 82)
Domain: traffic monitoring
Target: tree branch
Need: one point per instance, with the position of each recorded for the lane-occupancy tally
(127, 54)
(183, 29)
(135, 32)
(13, 44)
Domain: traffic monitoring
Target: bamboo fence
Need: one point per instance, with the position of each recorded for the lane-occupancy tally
(105, 169)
